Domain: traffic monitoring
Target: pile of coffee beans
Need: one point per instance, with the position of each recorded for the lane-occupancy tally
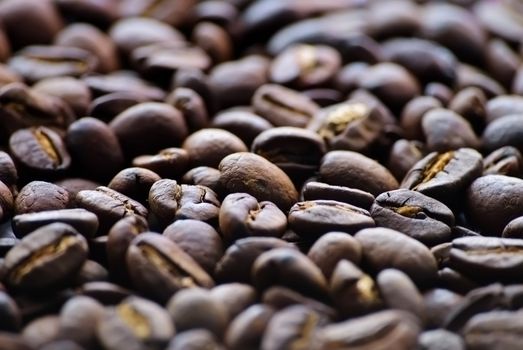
(261, 174)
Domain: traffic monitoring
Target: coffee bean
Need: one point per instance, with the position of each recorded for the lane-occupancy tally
(484, 330)
(174, 13)
(194, 340)
(435, 339)
(506, 160)
(244, 124)
(134, 182)
(418, 216)
(439, 303)
(314, 218)
(101, 14)
(247, 329)
(78, 320)
(385, 248)
(191, 105)
(10, 314)
(135, 323)
(204, 176)
(514, 228)
(46, 258)
(40, 196)
(318, 190)
(168, 163)
(104, 292)
(502, 106)
(236, 297)
(42, 331)
(504, 131)
(250, 173)
(351, 169)
(159, 268)
(72, 91)
(241, 215)
(214, 40)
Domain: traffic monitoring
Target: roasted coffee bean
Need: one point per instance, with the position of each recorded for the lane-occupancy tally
(192, 107)
(135, 323)
(170, 201)
(109, 205)
(222, 13)
(487, 258)
(440, 92)
(315, 218)
(282, 106)
(73, 92)
(412, 115)
(236, 297)
(91, 271)
(502, 106)
(194, 308)
(119, 238)
(241, 215)
(504, 131)
(110, 104)
(82, 220)
(281, 297)
(249, 173)
(39, 150)
(398, 292)
(42, 331)
(75, 185)
(204, 176)
(296, 151)
(6, 202)
(243, 123)
(506, 160)
(394, 19)
(197, 239)
(290, 268)
(174, 13)
(236, 263)
(348, 76)
(78, 320)
(305, 66)
(159, 268)
(43, 16)
(418, 216)
(351, 169)
(455, 281)
(101, 14)
(320, 191)
(94, 148)
(496, 329)
(39, 196)
(11, 319)
(46, 258)
(385, 248)
(209, 146)
(333, 247)
(245, 332)
(214, 40)
(379, 330)
(8, 171)
(403, 155)
(493, 201)
(353, 292)
(134, 183)
(89, 38)
(104, 292)
(514, 228)
(444, 175)
(470, 103)
(168, 163)
(35, 63)
(469, 76)
(123, 82)
(197, 339)
(439, 303)
(197, 81)
(148, 127)
(440, 339)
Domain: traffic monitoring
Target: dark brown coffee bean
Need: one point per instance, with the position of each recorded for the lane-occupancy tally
(39, 196)
(46, 258)
(439, 303)
(235, 82)
(333, 247)
(72, 91)
(8, 172)
(35, 63)
(506, 160)
(204, 176)
(395, 19)
(280, 298)
(109, 105)
(42, 331)
(75, 185)
(315, 218)
(168, 163)
(385, 329)
(197, 81)
(78, 320)
(123, 82)
(209, 146)
(493, 201)
(89, 38)
(244, 124)
(505, 131)
(245, 332)
(199, 240)
(174, 13)
(241, 215)
(487, 258)
(385, 248)
(291, 327)
(40, 151)
(249, 173)
(412, 115)
(119, 238)
(282, 106)
(399, 292)
(135, 323)
(469, 76)
(514, 228)
(6, 202)
(45, 21)
(98, 13)
(438, 338)
(85, 222)
(305, 66)
(445, 130)
(91, 271)
(351, 169)
(236, 297)
(159, 268)
(196, 339)
(170, 201)
(10, 319)
(214, 40)
(444, 175)
(222, 13)
(148, 127)
(353, 292)
(403, 155)
(195, 308)
(348, 77)
(418, 216)
(320, 191)
(289, 268)
(236, 263)
(104, 292)
(502, 106)
(134, 183)
(94, 148)
(496, 329)
(109, 205)
(470, 104)
(191, 105)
